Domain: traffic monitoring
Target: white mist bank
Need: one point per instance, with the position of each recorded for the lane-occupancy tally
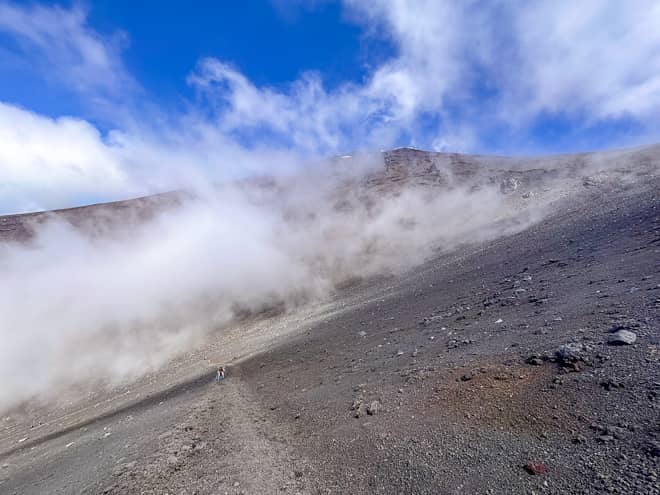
(76, 308)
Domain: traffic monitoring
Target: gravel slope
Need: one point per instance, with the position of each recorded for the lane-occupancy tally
(459, 407)
(443, 380)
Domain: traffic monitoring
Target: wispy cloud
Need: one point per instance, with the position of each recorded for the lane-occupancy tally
(59, 43)
(512, 62)
(460, 70)
(600, 58)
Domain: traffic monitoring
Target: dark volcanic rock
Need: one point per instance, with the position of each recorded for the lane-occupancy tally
(571, 353)
(535, 360)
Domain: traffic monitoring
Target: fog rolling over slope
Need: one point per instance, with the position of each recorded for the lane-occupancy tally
(103, 294)
(406, 322)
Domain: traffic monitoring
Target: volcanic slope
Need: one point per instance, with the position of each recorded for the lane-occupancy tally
(491, 368)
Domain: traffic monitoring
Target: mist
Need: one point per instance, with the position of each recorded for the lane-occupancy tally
(100, 303)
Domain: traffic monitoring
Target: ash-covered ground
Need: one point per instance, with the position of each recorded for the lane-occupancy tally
(522, 362)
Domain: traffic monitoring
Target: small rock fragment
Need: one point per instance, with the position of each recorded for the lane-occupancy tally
(653, 448)
(622, 337)
(610, 384)
(373, 408)
(534, 360)
(536, 468)
(123, 468)
(569, 354)
(617, 432)
(358, 408)
(578, 439)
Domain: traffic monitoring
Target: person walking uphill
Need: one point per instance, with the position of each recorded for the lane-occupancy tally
(220, 375)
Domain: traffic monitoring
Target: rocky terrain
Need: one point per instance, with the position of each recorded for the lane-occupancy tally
(528, 363)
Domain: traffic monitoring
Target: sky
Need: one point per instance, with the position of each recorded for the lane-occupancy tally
(107, 100)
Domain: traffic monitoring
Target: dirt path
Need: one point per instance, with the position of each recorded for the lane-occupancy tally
(259, 455)
(225, 444)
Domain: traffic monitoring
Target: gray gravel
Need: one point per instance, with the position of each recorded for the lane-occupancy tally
(486, 370)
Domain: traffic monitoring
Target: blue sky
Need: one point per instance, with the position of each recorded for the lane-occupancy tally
(270, 46)
(155, 90)
(163, 41)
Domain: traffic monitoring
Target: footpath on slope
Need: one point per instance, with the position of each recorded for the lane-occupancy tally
(221, 446)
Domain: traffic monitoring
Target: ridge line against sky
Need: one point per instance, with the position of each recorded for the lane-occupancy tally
(108, 100)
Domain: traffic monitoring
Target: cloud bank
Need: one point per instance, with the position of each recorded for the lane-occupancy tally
(101, 306)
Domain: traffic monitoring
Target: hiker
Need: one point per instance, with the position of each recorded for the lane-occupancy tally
(221, 374)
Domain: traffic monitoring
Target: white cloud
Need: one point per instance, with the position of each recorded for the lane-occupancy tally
(470, 66)
(598, 57)
(305, 117)
(458, 139)
(48, 162)
(62, 45)
(431, 56)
